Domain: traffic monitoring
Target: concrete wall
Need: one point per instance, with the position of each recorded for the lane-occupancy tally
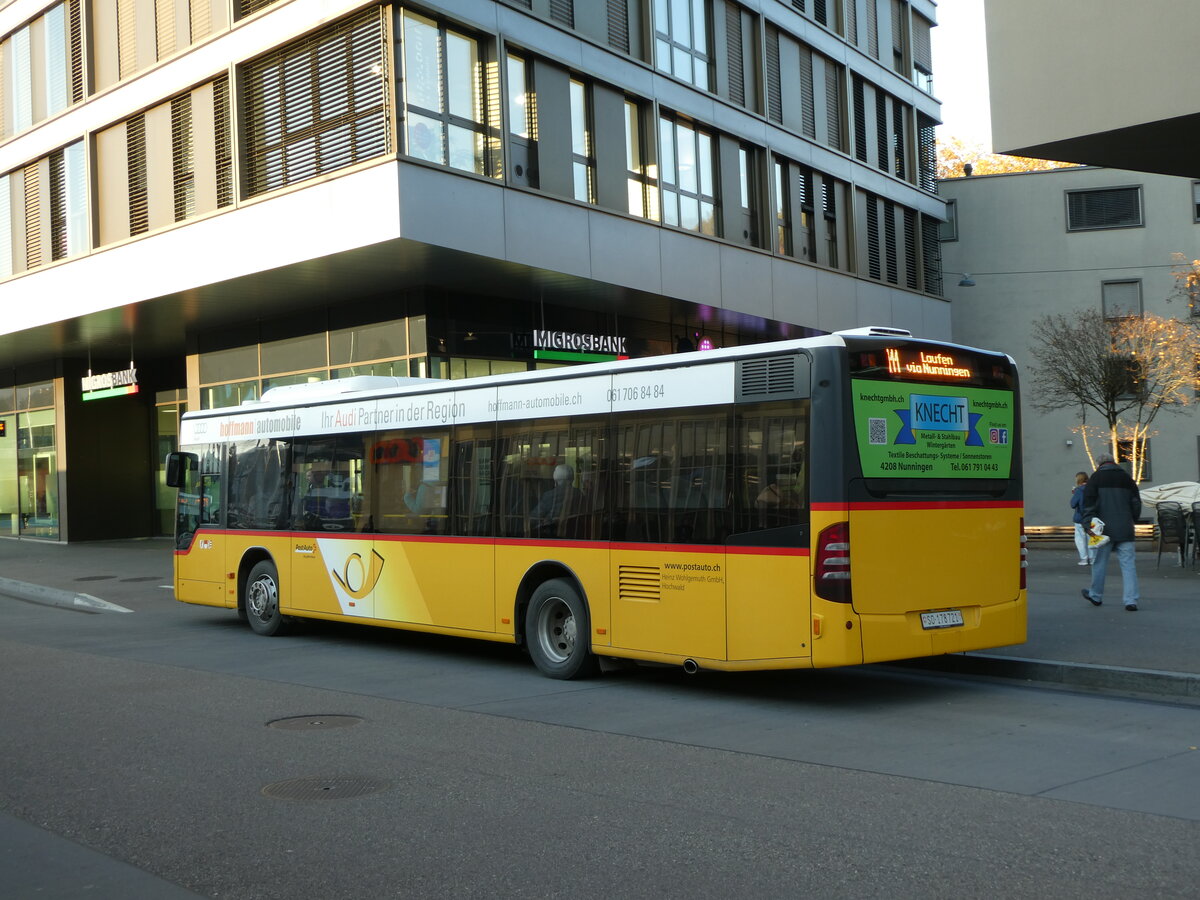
(1014, 242)
(1058, 70)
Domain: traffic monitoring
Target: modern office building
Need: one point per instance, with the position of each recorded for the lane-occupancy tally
(1059, 241)
(1106, 83)
(200, 199)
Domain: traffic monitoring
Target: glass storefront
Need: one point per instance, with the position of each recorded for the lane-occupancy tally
(168, 407)
(28, 462)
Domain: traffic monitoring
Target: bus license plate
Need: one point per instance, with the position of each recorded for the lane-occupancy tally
(948, 618)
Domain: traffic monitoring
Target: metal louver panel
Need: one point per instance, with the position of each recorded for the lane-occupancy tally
(889, 242)
(808, 110)
(733, 46)
(223, 141)
(772, 378)
(820, 13)
(183, 166)
(774, 76)
(33, 217)
(318, 104)
(642, 583)
(75, 43)
(899, 138)
(851, 9)
(200, 12)
(922, 44)
(164, 27)
(910, 249)
(139, 201)
(246, 7)
(898, 26)
(833, 104)
(58, 206)
(618, 25)
(563, 11)
(926, 154)
(4, 132)
(881, 131)
(799, 4)
(872, 29)
(874, 264)
(860, 120)
(931, 256)
(126, 38)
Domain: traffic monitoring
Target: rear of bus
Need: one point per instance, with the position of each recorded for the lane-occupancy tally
(917, 532)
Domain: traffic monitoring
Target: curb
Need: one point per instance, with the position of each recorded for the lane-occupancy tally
(46, 596)
(1069, 674)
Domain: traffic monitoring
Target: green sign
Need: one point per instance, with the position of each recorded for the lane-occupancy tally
(932, 430)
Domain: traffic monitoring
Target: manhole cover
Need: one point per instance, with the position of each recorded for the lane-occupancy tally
(95, 577)
(318, 788)
(142, 578)
(314, 723)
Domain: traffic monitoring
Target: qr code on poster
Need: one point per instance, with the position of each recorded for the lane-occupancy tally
(877, 431)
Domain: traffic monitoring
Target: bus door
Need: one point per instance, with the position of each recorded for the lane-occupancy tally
(199, 546)
(332, 555)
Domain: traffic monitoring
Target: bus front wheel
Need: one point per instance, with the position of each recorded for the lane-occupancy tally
(558, 633)
(261, 601)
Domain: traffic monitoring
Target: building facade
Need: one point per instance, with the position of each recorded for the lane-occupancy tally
(1106, 83)
(1064, 240)
(201, 199)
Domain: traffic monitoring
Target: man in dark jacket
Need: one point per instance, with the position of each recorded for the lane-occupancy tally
(1112, 497)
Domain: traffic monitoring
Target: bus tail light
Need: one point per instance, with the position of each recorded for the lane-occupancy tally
(832, 567)
(1024, 553)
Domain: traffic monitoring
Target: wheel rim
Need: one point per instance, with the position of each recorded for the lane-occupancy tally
(262, 598)
(556, 630)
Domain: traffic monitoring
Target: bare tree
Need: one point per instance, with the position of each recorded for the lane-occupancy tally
(1125, 369)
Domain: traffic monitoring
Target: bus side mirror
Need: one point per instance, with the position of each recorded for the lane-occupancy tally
(178, 464)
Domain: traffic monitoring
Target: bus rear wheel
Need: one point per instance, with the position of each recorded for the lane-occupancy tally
(261, 600)
(558, 632)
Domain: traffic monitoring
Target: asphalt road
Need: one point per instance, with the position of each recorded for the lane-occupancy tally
(140, 759)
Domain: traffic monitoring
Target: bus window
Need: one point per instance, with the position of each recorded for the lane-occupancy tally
(199, 500)
(410, 471)
(327, 478)
(258, 485)
(771, 476)
(551, 479)
(471, 484)
(673, 478)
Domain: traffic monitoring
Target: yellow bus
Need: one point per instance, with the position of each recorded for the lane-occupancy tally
(829, 501)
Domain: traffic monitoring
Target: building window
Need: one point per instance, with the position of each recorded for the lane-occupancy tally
(922, 53)
(689, 193)
(682, 43)
(583, 158)
(1196, 201)
(317, 105)
(522, 122)
(1125, 458)
(783, 217)
(1121, 299)
(445, 107)
(643, 199)
(829, 192)
(949, 228)
(68, 203)
(6, 230)
(1105, 208)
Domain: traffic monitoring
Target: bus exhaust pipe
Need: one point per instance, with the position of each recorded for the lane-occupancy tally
(690, 667)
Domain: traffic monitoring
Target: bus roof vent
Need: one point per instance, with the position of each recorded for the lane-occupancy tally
(773, 378)
(876, 331)
(313, 390)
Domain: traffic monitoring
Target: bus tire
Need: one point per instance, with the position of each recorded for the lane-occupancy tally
(558, 631)
(261, 600)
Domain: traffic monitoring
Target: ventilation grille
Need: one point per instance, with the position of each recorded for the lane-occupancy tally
(772, 378)
(643, 583)
(833, 103)
(183, 158)
(224, 149)
(135, 151)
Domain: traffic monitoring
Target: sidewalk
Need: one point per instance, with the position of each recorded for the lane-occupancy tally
(1154, 650)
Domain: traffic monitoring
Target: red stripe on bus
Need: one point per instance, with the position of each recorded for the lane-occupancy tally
(918, 504)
